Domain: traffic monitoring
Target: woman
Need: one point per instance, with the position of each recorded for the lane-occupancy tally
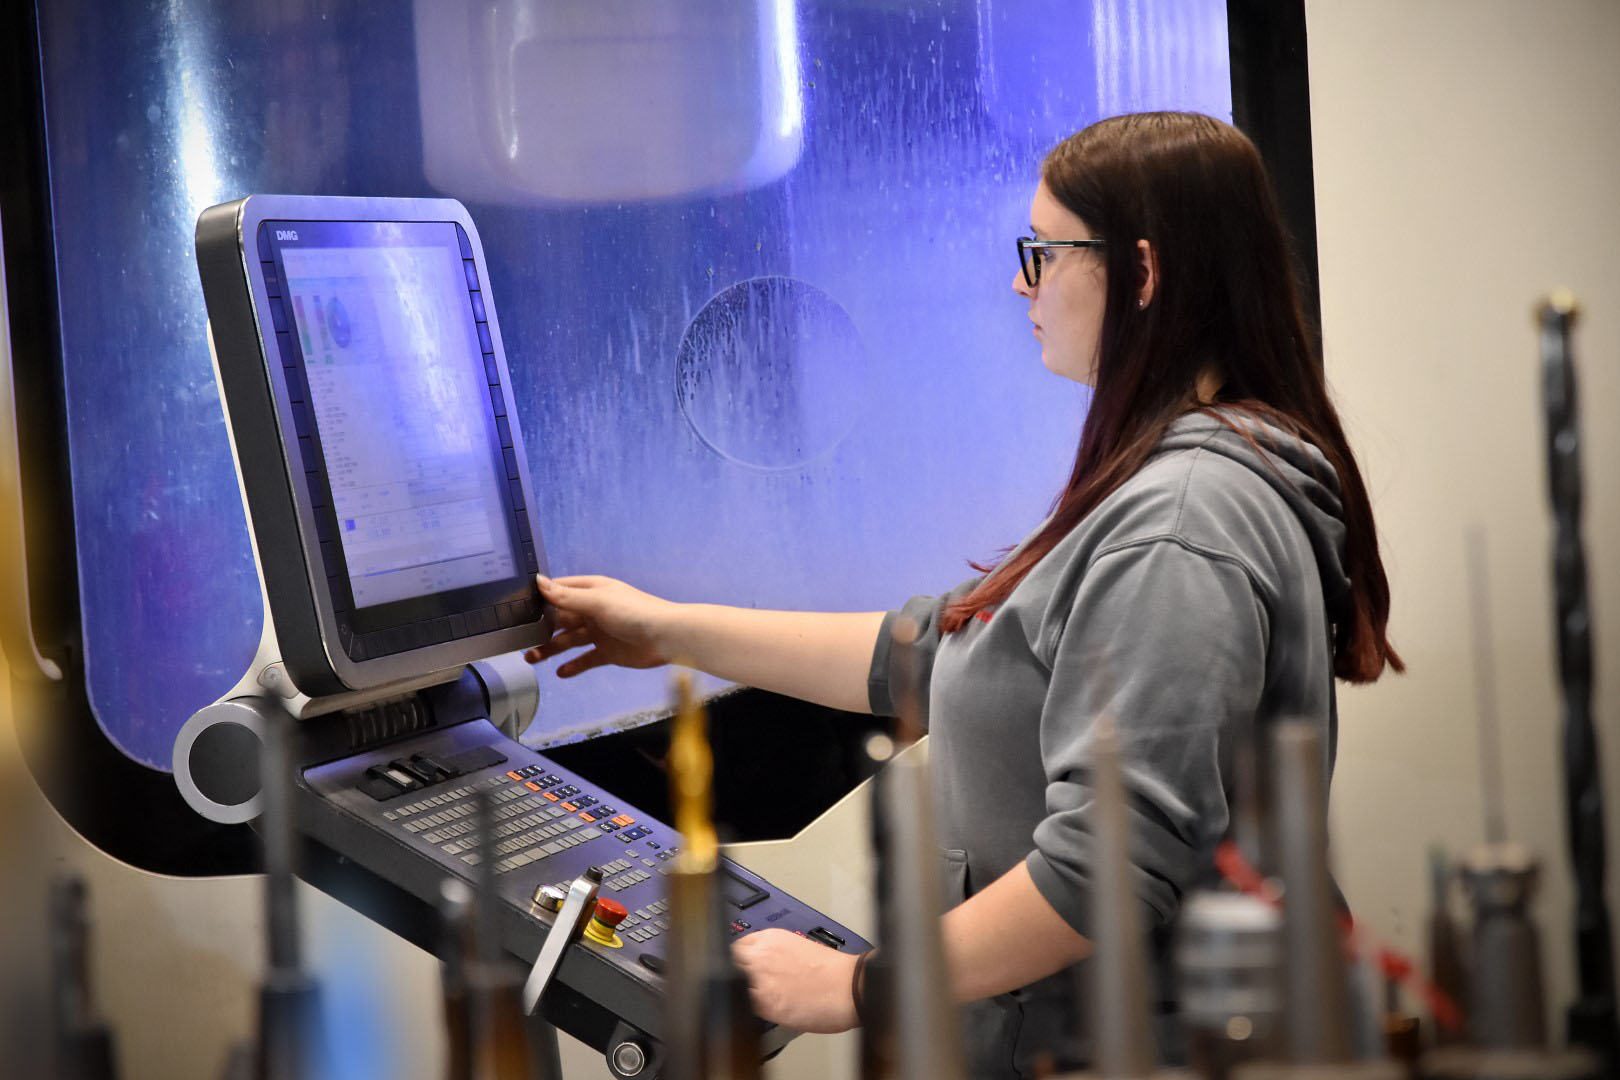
(1211, 565)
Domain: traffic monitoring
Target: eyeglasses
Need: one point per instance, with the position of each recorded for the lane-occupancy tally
(1031, 254)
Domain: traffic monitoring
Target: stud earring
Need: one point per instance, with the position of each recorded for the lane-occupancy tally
(1141, 303)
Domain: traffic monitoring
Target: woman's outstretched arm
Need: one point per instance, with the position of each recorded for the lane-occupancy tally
(824, 657)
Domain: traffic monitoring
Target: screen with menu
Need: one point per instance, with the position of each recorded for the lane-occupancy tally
(400, 405)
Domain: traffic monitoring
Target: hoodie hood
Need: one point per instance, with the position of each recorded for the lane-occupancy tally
(1295, 469)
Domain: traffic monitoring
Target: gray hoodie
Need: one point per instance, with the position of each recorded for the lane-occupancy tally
(1192, 606)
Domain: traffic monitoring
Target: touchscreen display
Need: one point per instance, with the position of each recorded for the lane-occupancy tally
(396, 382)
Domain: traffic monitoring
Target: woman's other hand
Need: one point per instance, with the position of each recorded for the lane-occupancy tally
(619, 624)
(794, 982)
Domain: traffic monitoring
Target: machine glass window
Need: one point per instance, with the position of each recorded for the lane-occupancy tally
(751, 264)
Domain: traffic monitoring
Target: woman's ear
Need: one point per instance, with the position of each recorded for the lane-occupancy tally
(1147, 273)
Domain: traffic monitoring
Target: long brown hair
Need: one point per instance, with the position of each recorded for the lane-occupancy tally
(1225, 300)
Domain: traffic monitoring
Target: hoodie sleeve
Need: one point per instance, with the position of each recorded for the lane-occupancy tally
(1170, 642)
(881, 692)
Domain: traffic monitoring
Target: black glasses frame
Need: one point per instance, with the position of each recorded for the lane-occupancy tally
(1030, 263)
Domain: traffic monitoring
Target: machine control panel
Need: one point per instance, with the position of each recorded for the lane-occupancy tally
(420, 797)
(386, 483)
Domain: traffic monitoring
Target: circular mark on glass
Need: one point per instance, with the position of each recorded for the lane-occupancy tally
(771, 373)
(337, 321)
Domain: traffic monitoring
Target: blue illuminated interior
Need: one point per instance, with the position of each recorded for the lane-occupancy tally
(753, 270)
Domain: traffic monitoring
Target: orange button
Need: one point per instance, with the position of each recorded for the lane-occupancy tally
(568, 806)
(549, 795)
(531, 785)
(514, 774)
(586, 817)
(624, 819)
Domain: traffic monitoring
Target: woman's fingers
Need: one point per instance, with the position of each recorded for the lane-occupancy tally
(567, 618)
(575, 581)
(570, 639)
(744, 952)
(560, 643)
(572, 597)
(581, 664)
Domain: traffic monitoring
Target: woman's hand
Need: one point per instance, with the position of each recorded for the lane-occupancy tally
(797, 983)
(620, 623)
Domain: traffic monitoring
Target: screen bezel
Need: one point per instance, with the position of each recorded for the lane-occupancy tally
(391, 631)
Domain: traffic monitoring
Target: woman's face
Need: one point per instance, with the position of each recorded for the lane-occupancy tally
(1066, 305)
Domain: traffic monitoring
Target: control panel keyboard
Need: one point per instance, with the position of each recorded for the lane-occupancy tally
(420, 796)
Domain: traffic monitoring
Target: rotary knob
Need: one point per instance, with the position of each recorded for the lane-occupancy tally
(549, 898)
(628, 1059)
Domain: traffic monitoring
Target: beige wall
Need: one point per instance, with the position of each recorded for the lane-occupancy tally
(1466, 161)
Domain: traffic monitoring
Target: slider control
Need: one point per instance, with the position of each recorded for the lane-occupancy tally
(394, 777)
(435, 768)
(414, 768)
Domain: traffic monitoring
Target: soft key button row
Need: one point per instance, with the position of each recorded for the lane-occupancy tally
(562, 842)
(528, 805)
(607, 819)
(624, 881)
(627, 873)
(646, 923)
(435, 810)
(529, 776)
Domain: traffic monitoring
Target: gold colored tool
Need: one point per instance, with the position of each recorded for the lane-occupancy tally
(713, 1034)
(691, 777)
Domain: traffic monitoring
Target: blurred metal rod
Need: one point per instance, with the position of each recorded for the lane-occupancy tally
(1315, 981)
(1121, 1030)
(455, 941)
(1507, 1007)
(501, 1031)
(926, 1027)
(1592, 1017)
(83, 1045)
(289, 1015)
